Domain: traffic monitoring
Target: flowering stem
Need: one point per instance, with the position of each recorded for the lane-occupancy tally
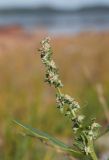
(84, 135)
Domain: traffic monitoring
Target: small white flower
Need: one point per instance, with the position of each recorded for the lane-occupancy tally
(52, 64)
(76, 105)
(90, 133)
(54, 78)
(95, 125)
(81, 118)
(87, 150)
(45, 44)
(46, 40)
(46, 47)
(75, 129)
(68, 97)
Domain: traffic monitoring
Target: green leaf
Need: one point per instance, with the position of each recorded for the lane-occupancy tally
(54, 141)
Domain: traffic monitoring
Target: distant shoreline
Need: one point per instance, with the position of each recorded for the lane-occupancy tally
(54, 10)
(54, 21)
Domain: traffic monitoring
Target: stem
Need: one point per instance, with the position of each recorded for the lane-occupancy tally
(92, 153)
(93, 156)
(59, 91)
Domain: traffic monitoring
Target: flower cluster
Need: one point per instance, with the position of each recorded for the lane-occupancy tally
(84, 134)
(92, 130)
(52, 76)
(87, 134)
(72, 107)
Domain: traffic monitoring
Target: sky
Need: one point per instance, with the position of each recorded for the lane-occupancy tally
(57, 3)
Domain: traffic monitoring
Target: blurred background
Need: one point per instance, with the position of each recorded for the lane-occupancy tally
(79, 30)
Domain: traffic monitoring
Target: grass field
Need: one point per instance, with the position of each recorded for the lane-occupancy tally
(83, 61)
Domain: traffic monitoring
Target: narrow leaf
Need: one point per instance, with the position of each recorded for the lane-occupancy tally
(54, 141)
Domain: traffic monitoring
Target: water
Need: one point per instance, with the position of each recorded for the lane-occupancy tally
(59, 23)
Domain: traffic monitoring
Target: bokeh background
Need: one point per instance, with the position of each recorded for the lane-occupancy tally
(79, 31)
